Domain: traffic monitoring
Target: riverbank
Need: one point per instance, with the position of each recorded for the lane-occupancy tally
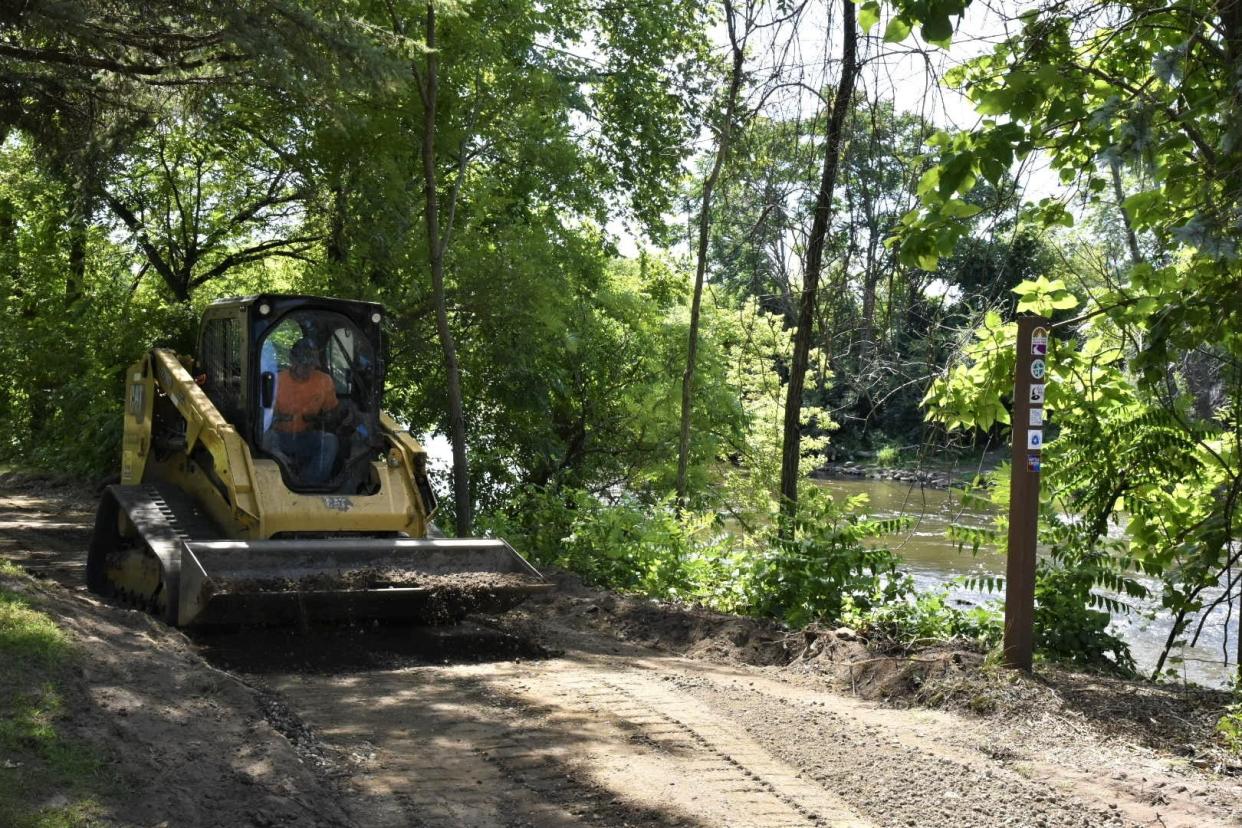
(938, 473)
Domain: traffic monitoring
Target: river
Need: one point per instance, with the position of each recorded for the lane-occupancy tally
(934, 560)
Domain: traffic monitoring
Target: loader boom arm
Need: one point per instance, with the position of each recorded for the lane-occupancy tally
(232, 464)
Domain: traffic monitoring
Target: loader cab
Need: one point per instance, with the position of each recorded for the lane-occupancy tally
(301, 378)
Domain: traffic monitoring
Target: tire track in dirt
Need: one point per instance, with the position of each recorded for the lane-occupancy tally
(622, 740)
(909, 768)
(725, 760)
(556, 744)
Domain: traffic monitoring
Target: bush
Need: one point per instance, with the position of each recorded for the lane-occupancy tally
(827, 573)
(810, 577)
(925, 618)
(627, 545)
(888, 456)
(653, 550)
(1068, 628)
(1229, 728)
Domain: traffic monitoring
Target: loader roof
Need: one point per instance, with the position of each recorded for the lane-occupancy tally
(298, 297)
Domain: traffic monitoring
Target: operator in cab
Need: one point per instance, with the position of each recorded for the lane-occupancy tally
(305, 397)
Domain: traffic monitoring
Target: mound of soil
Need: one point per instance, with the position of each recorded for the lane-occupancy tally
(678, 628)
(870, 669)
(68, 492)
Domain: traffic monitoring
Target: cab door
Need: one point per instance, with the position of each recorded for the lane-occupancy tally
(222, 364)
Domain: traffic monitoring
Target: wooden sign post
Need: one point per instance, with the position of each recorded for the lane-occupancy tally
(1028, 443)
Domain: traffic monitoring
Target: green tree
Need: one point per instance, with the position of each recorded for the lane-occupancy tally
(532, 142)
(791, 451)
(1152, 92)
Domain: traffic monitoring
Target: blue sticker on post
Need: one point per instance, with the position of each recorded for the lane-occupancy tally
(1032, 461)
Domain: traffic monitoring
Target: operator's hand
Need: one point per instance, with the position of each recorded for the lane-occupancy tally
(334, 419)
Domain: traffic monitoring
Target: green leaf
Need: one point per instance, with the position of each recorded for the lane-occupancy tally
(996, 102)
(1044, 296)
(956, 174)
(897, 30)
(929, 183)
(938, 30)
(956, 208)
(992, 170)
(869, 15)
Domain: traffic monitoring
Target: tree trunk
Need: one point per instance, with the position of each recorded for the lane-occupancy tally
(10, 282)
(335, 250)
(10, 253)
(76, 276)
(791, 449)
(1231, 22)
(700, 269)
(435, 254)
(1131, 239)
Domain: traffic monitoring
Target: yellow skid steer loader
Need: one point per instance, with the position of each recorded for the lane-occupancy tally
(265, 485)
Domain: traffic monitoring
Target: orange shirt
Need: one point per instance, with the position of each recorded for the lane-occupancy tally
(298, 399)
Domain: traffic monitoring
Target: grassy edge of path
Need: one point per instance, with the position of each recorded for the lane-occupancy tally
(47, 780)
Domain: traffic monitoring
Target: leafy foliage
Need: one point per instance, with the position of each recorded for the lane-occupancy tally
(915, 618)
(1115, 448)
(809, 576)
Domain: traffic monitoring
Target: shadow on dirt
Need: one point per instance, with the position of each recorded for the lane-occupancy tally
(432, 748)
(1177, 719)
(361, 647)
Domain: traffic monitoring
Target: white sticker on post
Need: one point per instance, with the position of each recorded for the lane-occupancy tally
(1035, 439)
(1036, 417)
(1037, 394)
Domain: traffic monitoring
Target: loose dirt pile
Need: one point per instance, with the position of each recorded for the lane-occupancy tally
(872, 670)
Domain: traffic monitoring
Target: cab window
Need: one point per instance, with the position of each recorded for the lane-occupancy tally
(318, 396)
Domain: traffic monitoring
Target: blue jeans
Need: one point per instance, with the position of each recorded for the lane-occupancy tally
(313, 452)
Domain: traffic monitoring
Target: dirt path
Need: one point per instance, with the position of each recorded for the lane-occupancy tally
(602, 739)
(549, 717)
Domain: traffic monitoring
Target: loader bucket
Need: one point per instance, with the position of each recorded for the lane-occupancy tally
(224, 582)
(144, 553)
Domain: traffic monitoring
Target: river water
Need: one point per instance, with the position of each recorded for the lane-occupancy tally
(934, 561)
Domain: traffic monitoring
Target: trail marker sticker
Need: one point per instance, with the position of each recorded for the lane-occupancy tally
(1037, 369)
(1032, 461)
(1037, 394)
(1035, 439)
(1036, 417)
(1039, 342)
